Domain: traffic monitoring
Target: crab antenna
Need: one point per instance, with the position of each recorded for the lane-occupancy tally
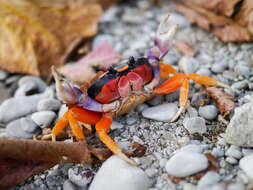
(67, 93)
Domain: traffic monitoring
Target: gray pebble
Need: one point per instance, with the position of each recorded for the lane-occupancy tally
(242, 70)
(240, 85)
(209, 179)
(195, 162)
(15, 129)
(132, 16)
(195, 125)
(48, 104)
(192, 112)
(39, 82)
(189, 186)
(192, 148)
(27, 88)
(246, 164)
(209, 112)
(164, 112)
(116, 125)
(131, 120)
(43, 118)
(247, 151)
(12, 79)
(217, 152)
(116, 174)
(188, 64)
(204, 71)
(141, 107)
(231, 160)
(232, 152)
(3, 94)
(236, 186)
(129, 52)
(151, 172)
(3, 74)
(67, 185)
(28, 125)
(81, 179)
(171, 97)
(218, 68)
(110, 15)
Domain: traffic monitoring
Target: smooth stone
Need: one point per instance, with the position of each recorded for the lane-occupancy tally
(15, 129)
(232, 152)
(48, 104)
(192, 112)
(14, 108)
(247, 151)
(209, 179)
(132, 16)
(242, 70)
(231, 160)
(116, 125)
(171, 97)
(28, 125)
(67, 185)
(3, 94)
(246, 164)
(217, 152)
(110, 14)
(80, 179)
(189, 186)
(130, 52)
(43, 118)
(12, 79)
(209, 112)
(236, 186)
(188, 64)
(240, 85)
(192, 148)
(164, 112)
(240, 129)
(62, 110)
(195, 125)
(39, 82)
(141, 107)
(27, 88)
(3, 74)
(218, 68)
(184, 164)
(117, 174)
(204, 71)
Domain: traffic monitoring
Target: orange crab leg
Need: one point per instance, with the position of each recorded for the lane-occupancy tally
(102, 128)
(59, 126)
(166, 70)
(171, 85)
(85, 116)
(76, 129)
(183, 99)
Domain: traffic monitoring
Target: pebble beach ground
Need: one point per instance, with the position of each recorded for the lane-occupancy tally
(174, 150)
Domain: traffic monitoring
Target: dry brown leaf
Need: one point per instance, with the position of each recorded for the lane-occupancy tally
(222, 99)
(37, 34)
(184, 48)
(231, 21)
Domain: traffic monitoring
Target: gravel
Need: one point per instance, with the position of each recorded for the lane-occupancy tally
(195, 125)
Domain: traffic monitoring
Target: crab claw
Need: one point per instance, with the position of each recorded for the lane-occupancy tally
(164, 36)
(67, 93)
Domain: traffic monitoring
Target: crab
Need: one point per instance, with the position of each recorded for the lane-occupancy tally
(117, 91)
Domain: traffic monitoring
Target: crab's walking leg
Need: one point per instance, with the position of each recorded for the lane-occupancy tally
(102, 127)
(76, 128)
(183, 99)
(205, 80)
(59, 126)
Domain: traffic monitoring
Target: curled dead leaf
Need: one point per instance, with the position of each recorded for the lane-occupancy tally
(184, 48)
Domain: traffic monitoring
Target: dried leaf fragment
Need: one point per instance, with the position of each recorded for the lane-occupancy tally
(222, 99)
(34, 35)
(185, 49)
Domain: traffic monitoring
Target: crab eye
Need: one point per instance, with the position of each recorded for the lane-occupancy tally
(112, 70)
(131, 61)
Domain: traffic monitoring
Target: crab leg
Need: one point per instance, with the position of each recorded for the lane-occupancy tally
(183, 99)
(76, 128)
(166, 70)
(102, 127)
(60, 125)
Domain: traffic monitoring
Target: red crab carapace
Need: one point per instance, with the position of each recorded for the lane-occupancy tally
(117, 91)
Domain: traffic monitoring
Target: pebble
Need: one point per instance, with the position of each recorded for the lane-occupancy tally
(192, 148)
(3, 94)
(247, 151)
(151, 172)
(67, 185)
(184, 164)
(218, 68)
(240, 129)
(240, 85)
(62, 110)
(141, 107)
(236, 186)
(156, 101)
(28, 125)
(189, 186)
(164, 112)
(232, 152)
(3, 75)
(217, 152)
(15, 129)
(195, 125)
(246, 164)
(242, 70)
(48, 104)
(41, 85)
(116, 174)
(110, 14)
(231, 160)
(209, 179)
(209, 112)
(81, 179)
(43, 118)
(26, 89)
(204, 71)
(171, 97)
(12, 79)
(132, 16)
(116, 125)
(14, 108)
(192, 112)
(188, 64)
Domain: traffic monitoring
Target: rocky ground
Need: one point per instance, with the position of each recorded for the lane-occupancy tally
(176, 151)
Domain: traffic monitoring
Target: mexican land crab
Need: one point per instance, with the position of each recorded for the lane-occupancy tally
(117, 91)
